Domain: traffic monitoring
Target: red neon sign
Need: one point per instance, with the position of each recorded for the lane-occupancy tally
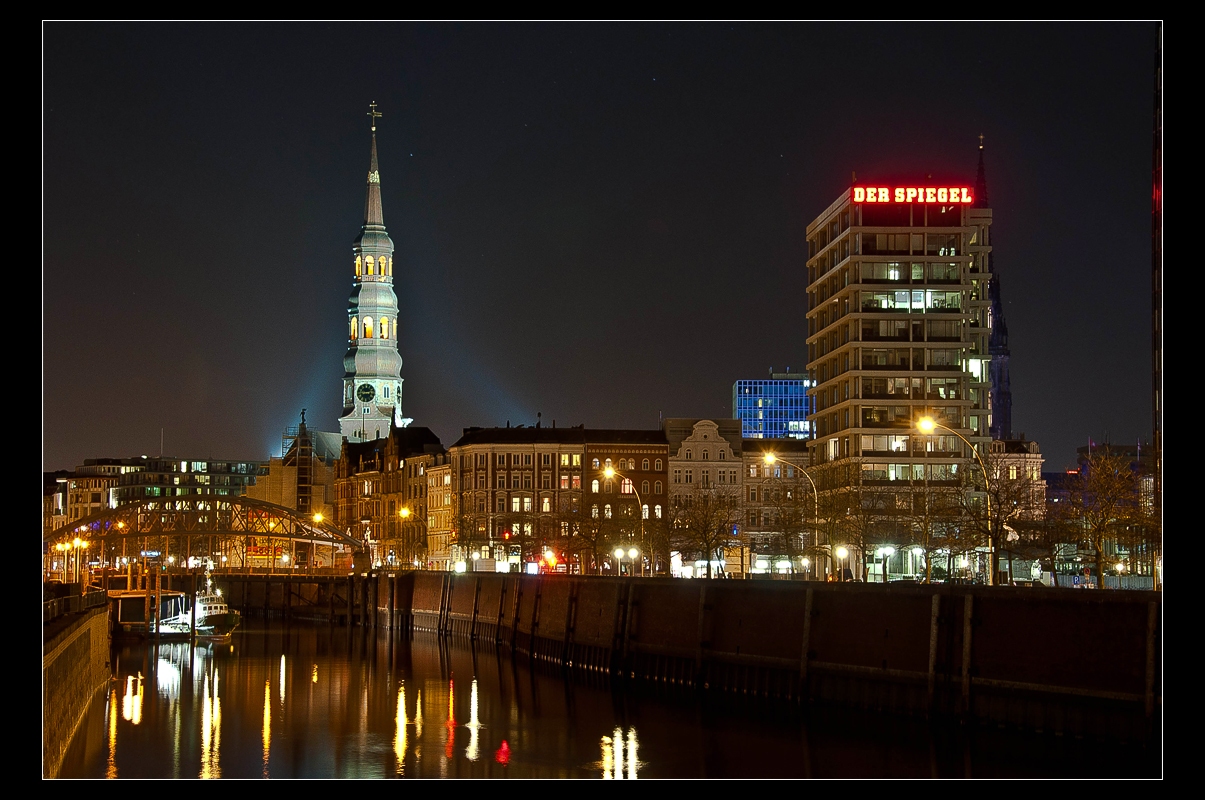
(913, 194)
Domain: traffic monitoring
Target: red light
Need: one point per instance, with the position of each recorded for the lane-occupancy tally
(952, 195)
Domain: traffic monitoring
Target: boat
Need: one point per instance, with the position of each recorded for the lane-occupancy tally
(215, 620)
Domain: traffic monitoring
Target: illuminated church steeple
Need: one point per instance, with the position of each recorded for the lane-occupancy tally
(1002, 395)
(372, 382)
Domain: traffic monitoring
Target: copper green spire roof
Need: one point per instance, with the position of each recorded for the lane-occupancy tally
(373, 239)
(372, 202)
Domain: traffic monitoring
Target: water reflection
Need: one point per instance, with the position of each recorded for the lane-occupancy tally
(331, 702)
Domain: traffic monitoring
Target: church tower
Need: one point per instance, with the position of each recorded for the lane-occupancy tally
(1002, 395)
(372, 383)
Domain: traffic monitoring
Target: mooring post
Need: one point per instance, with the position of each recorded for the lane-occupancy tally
(967, 609)
(933, 619)
(807, 644)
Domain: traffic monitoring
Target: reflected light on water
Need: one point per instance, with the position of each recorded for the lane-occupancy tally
(474, 725)
(613, 756)
(111, 766)
(365, 718)
(131, 703)
(168, 679)
(399, 738)
(211, 729)
(450, 725)
(267, 731)
(418, 716)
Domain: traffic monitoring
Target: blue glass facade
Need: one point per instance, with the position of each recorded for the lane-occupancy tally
(773, 408)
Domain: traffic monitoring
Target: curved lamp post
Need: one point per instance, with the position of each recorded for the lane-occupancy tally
(928, 424)
(611, 472)
(771, 458)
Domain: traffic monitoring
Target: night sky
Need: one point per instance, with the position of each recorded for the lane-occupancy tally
(599, 222)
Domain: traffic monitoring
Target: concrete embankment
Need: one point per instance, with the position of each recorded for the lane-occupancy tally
(1073, 661)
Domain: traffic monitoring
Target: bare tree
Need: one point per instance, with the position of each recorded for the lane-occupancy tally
(589, 533)
(706, 522)
(1048, 539)
(468, 532)
(1104, 496)
(937, 510)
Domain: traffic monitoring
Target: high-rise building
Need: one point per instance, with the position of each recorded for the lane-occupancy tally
(898, 329)
(372, 383)
(773, 408)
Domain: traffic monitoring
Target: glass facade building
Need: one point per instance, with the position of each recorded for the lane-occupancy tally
(773, 408)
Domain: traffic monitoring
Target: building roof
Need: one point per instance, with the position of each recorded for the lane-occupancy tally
(775, 445)
(524, 435)
(415, 440)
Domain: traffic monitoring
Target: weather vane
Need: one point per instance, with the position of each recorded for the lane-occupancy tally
(374, 114)
(981, 141)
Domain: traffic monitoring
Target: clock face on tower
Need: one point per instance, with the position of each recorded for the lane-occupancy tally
(366, 393)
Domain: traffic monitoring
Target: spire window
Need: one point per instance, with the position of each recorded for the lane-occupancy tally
(358, 266)
(368, 324)
(368, 264)
(384, 327)
(353, 329)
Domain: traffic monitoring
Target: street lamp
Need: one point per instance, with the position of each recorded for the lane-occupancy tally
(404, 513)
(928, 424)
(611, 472)
(886, 553)
(841, 554)
(771, 458)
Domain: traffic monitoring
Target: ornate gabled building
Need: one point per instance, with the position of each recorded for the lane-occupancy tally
(372, 383)
(381, 492)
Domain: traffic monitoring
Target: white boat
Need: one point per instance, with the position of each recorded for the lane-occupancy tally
(213, 620)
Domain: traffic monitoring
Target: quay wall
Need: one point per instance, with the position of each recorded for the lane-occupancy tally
(1075, 661)
(75, 666)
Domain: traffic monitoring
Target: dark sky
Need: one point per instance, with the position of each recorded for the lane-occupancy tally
(599, 222)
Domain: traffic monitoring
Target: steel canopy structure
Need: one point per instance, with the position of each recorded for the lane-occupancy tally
(202, 516)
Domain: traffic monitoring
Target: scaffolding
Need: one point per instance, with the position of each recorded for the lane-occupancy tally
(297, 450)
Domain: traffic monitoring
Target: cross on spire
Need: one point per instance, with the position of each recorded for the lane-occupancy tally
(373, 113)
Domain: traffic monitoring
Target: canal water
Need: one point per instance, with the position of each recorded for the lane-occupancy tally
(316, 701)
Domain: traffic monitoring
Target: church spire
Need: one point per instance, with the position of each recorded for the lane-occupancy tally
(981, 200)
(372, 383)
(372, 201)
